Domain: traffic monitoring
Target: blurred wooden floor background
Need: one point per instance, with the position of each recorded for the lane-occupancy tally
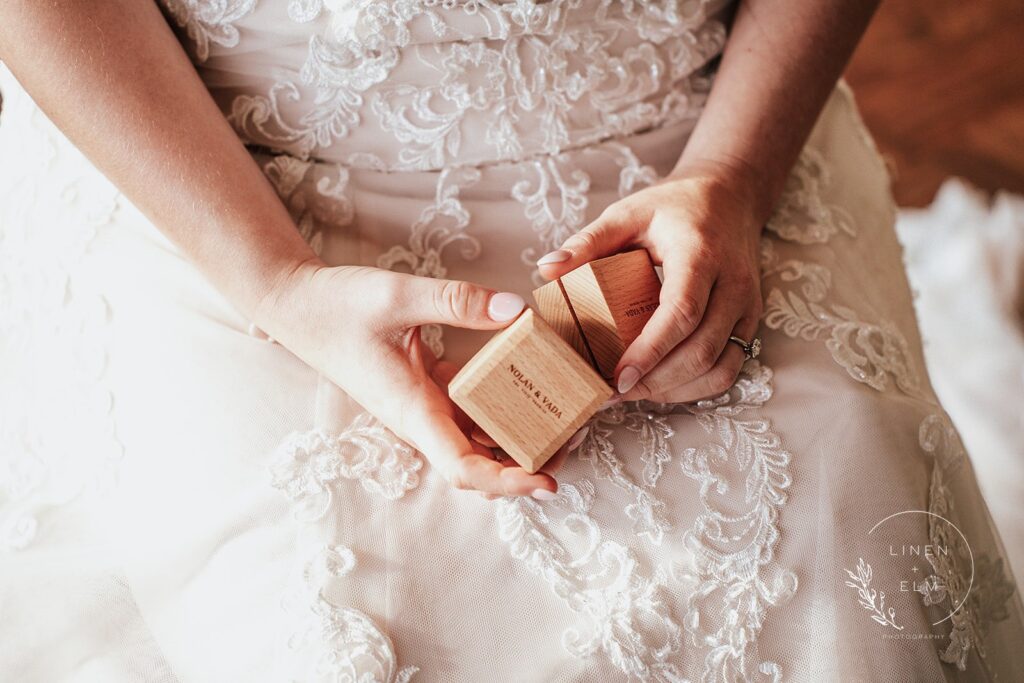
(941, 86)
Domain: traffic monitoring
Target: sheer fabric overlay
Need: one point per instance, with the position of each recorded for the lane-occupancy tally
(234, 516)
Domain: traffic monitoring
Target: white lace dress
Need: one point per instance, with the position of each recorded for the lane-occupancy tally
(181, 499)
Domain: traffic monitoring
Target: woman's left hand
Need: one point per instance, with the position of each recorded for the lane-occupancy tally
(701, 226)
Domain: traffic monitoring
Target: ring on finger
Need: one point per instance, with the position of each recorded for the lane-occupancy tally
(751, 349)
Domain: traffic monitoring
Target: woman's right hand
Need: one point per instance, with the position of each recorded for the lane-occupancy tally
(360, 327)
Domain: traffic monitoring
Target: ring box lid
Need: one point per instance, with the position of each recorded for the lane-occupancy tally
(601, 307)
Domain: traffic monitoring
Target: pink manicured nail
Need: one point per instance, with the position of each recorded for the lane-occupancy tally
(614, 400)
(577, 438)
(505, 306)
(628, 379)
(554, 257)
(543, 494)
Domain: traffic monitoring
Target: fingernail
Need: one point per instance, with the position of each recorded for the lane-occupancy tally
(577, 438)
(628, 379)
(543, 494)
(505, 306)
(557, 256)
(614, 400)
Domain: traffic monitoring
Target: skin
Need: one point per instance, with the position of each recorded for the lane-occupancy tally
(165, 144)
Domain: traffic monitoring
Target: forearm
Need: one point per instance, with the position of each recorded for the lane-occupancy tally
(114, 79)
(782, 60)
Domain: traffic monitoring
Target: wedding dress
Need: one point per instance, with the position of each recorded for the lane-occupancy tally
(184, 500)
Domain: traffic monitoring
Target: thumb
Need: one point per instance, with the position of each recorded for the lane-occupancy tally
(606, 235)
(463, 304)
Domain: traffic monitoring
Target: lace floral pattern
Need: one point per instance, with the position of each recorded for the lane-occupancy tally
(208, 22)
(558, 78)
(733, 570)
(618, 608)
(308, 464)
(802, 215)
(326, 638)
(729, 574)
(974, 589)
(335, 641)
(876, 354)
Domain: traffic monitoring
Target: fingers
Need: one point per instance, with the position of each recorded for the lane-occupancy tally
(466, 466)
(551, 467)
(608, 234)
(684, 297)
(481, 437)
(716, 380)
(457, 303)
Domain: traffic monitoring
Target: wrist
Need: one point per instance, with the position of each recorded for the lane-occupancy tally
(733, 179)
(283, 290)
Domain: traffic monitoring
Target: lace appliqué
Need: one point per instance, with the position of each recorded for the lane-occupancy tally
(341, 642)
(209, 22)
(331, 640)
(316, 195)
(802, 215)
(341, 72)
(532, 96)
(973, 587)
(307, 465)
(554, 201)
(874, 354)
(553, 193)
(647, 511)
(733, 571)
(440, 225)
(622, 614)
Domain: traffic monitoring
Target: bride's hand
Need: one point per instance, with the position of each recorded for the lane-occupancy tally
(703, 231)
(360, 327)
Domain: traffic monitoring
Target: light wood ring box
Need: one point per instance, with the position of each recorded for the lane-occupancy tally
(528, 390)
(601, 307)
(537, 381)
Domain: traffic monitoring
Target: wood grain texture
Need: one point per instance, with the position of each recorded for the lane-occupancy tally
(613, 298)
(940, 85)
(528, 390)
(553, 307)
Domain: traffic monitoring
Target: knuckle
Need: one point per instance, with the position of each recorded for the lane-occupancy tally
(686, 312)
(454, 299)
(744, 281)
(702, 356)
(645, 388)
(721, 378)
(616, 212)
(583, 240)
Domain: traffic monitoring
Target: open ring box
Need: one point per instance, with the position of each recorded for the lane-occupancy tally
(535, 383)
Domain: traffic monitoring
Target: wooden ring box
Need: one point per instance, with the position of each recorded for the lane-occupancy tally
(535, 383)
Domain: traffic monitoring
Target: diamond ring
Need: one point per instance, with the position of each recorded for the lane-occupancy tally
(751, 349)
